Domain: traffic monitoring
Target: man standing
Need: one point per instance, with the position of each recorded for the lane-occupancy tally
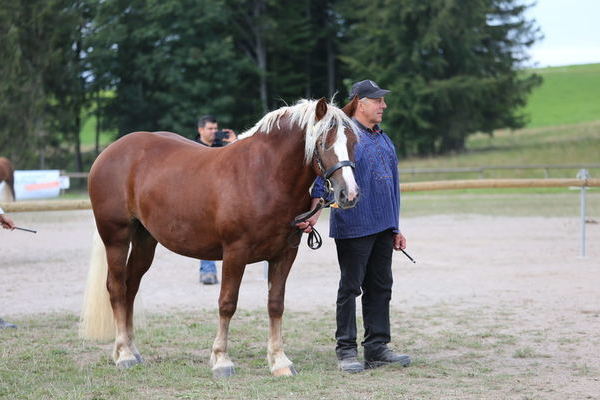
(365, 236)
(7, 223)
(209, 135)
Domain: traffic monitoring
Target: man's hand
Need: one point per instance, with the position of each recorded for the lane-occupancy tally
(231, 137)
(307, 225)
(7, 222)
(399, 241)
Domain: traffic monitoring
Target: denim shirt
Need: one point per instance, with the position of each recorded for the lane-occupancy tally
(376, 174)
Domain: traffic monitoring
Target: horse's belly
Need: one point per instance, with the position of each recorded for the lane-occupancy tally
(180, 240)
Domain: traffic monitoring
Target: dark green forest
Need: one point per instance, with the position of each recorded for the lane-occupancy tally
(454, 67)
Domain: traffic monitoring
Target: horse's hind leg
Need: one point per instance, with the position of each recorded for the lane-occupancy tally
(143, 246)
(278, 272)
(123, 282)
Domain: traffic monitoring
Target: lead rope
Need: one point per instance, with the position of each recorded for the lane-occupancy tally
(314, 240)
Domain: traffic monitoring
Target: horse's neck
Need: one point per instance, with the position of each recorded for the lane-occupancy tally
(286, 162)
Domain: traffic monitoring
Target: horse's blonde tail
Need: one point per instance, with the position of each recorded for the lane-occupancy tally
(97, 321)
(6, 194)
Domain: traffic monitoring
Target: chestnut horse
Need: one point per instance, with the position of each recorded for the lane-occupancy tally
(7, 175)
(234, 203)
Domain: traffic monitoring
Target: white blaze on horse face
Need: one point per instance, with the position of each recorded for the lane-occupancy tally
(341, 151)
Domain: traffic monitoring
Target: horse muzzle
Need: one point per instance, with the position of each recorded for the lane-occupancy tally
(346, 200)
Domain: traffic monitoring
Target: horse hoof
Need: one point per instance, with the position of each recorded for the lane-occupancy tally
(139, 358)
(287, 371)
(124, 364)
(223, 372)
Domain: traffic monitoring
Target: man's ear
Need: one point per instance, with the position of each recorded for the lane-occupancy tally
(321, 108)
(350, 108)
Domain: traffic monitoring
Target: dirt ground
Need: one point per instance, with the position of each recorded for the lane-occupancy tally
(526, 266)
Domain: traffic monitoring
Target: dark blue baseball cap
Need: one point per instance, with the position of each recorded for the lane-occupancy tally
(367, 88)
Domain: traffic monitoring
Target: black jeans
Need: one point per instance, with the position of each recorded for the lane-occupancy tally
(365, 266)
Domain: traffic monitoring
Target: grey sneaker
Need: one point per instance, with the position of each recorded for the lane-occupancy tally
(4, 324)
(350, 365)
(209, 279)
(385, 357)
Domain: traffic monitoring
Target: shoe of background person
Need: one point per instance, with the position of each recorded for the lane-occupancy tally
(350, 365)
(209, 279)
(4, 324)
(385, 356)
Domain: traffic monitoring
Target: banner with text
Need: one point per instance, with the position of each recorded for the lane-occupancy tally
(37, 184)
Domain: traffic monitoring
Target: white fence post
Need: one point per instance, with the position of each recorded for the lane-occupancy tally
(583, 174)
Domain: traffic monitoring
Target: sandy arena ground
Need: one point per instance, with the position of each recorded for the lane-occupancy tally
(527, 266)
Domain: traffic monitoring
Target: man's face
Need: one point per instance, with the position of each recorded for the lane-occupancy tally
(372, 109)
(207, 132)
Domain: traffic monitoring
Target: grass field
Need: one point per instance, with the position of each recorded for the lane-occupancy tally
(502, 202)
(477, 358)
(560, 145)
(88, 134)
(568, 95)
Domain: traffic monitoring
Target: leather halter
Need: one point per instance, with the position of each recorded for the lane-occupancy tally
(340, 164)
(314, 240)
(331, 170)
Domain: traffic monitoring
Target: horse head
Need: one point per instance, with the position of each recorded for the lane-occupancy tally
(329, 140)
(333, 156)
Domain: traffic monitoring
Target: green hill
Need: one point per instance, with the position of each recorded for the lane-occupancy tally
(564, 129)
(568, 95)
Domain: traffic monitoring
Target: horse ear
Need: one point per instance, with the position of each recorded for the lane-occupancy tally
(321, 108)
(350, 108)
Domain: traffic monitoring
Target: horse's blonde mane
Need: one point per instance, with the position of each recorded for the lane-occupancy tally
(303, 114)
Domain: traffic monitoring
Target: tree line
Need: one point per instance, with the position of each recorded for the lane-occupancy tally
(454, 67)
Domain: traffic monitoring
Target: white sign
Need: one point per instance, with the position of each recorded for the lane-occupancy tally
(37, 184)
(65, 182)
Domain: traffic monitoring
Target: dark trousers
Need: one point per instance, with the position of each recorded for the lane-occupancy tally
(365, 266)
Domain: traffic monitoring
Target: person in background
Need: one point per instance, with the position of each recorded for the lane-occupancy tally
(365, 236)
(7, 223)
(210, 135)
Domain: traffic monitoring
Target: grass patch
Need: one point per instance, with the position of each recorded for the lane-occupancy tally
(502, 202)
(88, 134)
(528, 352)
(564, 145)
(567, 95)
(43, 358)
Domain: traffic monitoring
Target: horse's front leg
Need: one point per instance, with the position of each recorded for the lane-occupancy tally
(231, 277)
(279, 269)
